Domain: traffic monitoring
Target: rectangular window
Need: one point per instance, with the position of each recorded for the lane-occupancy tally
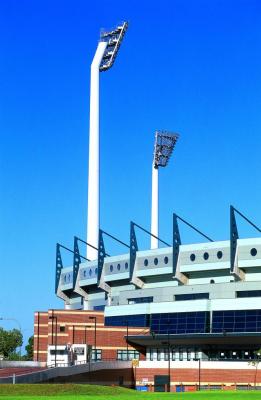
(178, 323)
(166, 354)
(62, 328)
(133, 320)
(58, 352)
(191, 296)
(236, 321)
(248, 293)
(124, 355)
(96, 354)
(138, 300)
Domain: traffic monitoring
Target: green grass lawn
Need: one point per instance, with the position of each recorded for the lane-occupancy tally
(92, 392)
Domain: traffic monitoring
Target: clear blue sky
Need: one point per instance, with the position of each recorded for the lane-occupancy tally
(186, 66)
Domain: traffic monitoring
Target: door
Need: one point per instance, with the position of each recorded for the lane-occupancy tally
(161, 383)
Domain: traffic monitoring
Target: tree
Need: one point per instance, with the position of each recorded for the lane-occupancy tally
(9, 341)
(255, 363)
(30, 349)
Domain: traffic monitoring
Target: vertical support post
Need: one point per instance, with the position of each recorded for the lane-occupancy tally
(154, 207)
(56, 333)
(233, 238)
(199, 373)
(85, 341)
(38, 333)
(169, 382)
(95, 337)
(93, 217)
(59, 266)
(176, 243)
(76, 260)
(101, 255)
(127, 327)
(133, 247)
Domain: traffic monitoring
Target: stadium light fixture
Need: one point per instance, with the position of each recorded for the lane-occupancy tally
(104, 58)
(163, 148)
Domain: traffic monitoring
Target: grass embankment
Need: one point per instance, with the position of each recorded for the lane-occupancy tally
(92, 392)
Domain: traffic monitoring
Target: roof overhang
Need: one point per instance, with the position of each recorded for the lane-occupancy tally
(204, 340)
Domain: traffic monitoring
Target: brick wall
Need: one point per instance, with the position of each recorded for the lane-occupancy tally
(77, 327)
(207, 376)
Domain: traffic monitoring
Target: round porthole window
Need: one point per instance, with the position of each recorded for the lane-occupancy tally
(146, 263)
(84, 273)
(192, 257)
(90, 272)
(111, 268)
(126, 265)
(166, 260)
(205, 256)
(219, 255)
(253, 252)
(156, 261)
(118, 267)
(96, 271)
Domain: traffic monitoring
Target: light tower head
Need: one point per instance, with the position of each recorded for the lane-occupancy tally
(163, 147)
(113, 39)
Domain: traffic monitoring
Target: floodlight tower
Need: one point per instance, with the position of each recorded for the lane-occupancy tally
(104, 58)
(163, 148)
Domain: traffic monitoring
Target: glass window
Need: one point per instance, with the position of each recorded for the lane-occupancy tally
(111, 267)
(249, 293)
(205, 256)
(90, 272)
(192, 257)
(96, 354)
(191, 296)
(139, 300)
(219, 255)
(253, 252)
(166, 260)
(124, 355)
(118, 267)
(146, 262)
(166, 354)
(96, 271)
(126, 265)
(156, 261)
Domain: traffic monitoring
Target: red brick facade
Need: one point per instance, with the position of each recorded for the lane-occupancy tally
(77, 327)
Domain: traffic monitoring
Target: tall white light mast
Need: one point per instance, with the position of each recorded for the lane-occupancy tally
(163, 147)
(104, 58)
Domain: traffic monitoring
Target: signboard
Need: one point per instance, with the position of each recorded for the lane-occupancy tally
(78, 350)
(135, 363)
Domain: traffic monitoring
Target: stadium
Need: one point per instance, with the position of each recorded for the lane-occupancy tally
(189, 314)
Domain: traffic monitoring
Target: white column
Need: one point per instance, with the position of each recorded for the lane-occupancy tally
(155, 207)
(93, 217)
